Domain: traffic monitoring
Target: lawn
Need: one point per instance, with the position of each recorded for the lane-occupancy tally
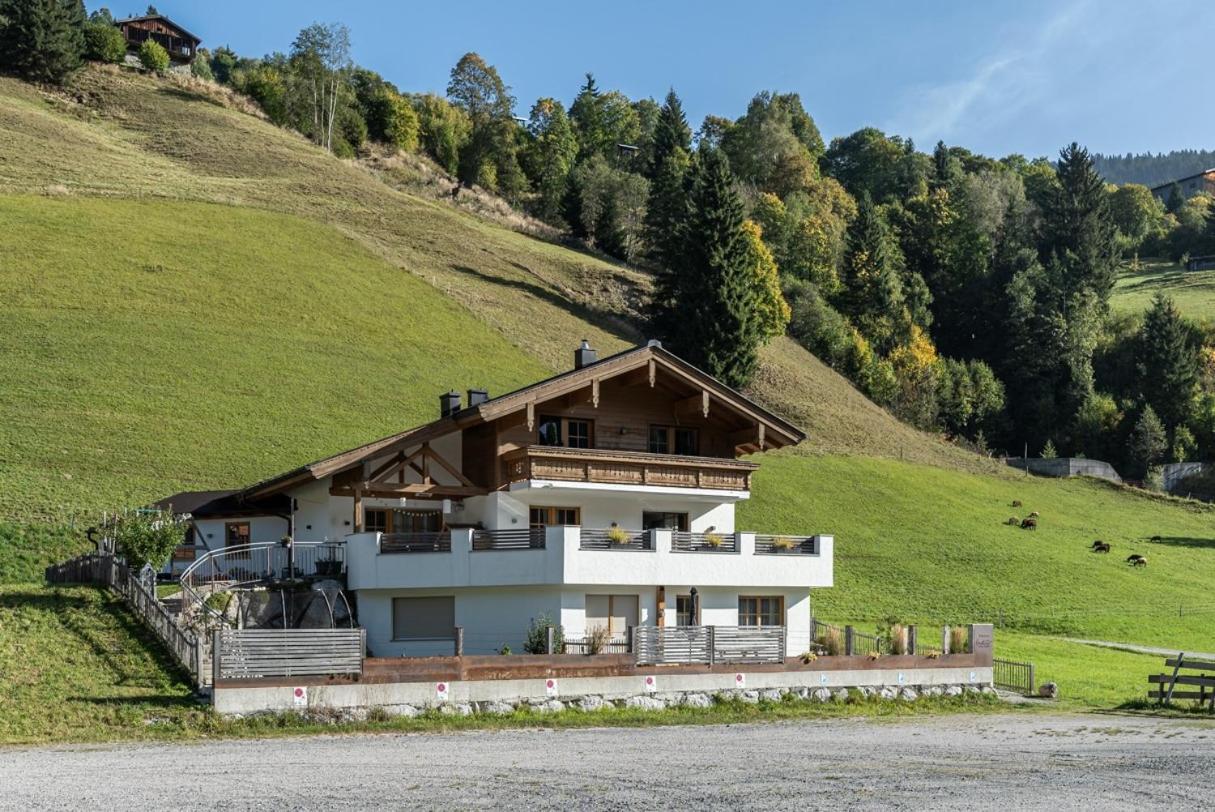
(1193, 291)
(1089, 677)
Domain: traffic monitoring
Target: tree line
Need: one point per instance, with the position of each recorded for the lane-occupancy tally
(1154, 169)
(967, 294)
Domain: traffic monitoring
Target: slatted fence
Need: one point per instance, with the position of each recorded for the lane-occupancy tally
(748, 644)
(252, 653)
(512, 539)
(670, 645)
(1013, 675)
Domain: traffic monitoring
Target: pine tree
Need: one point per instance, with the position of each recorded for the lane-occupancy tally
(1168, 363)
(1080, 230)
(873, 292)
(714, 323)
(590, 122)
(1147, 444)
(671, 133)
(41, 40)
(549, 155)
(1175, 201)
(666, 209)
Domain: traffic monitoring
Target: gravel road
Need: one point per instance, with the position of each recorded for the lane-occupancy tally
(1021, 761)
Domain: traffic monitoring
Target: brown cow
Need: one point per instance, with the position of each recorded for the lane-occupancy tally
(1136, 560)
(1029, 524)
(1101, 547)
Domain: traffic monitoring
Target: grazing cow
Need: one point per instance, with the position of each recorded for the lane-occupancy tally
(1136, 560)
(1029, 524)
(1033, 515)
(1155, 538)
(1101, 547)
(1014, 521)
(1016, 503)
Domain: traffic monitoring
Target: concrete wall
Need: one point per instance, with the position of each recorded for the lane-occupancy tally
(1174, 472)
(414, 695)
(1065, 467)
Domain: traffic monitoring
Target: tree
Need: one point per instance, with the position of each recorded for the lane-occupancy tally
(153, 56)
(320, 61)
(549, 156)
(1175, 199)
(41, 40)
(771, 309)
(201, 67)
(588, 117)
(1136, 213)
(775, 145)
(606, 207)
(1079, 228)
(671, 133)
(444, 130)
(1168, 363)
(666, 209)
(476, 87)
(872, 293)
(489, 157)
(102, 41)
(145, 537)
(224, 62)
(715, 323)
(887, 167)
(1147, 443)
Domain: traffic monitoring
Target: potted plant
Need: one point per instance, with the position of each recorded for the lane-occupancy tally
(618, 535)
(714, 540)
(783, 543)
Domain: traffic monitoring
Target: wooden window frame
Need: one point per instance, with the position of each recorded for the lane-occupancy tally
(228, 538)
(563, 423)
(692, 621)
(758, 613)
(551, 515)
(670, 432)
(682, 525)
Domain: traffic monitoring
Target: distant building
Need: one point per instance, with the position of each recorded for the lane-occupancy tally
(1193, 185)
(180, 43)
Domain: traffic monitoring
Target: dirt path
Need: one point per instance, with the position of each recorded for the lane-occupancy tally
(1138, 649)
(1021, 761)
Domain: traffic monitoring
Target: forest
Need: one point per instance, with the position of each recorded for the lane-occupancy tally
(1156, 169)
(968, 294)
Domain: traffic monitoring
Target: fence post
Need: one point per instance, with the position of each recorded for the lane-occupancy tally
(911, 639)
(1032, 683)
(548, 639)
(944, 640)
(459, 641)
(848, 642)
(712, 638)
(216, 649)
(629, 633)
(784, 642)
(198, 661)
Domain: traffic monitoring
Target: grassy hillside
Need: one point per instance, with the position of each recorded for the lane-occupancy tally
(1193, 291)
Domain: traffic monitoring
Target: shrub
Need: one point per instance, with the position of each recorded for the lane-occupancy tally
(597, 641)
(537, 636)
(201, 69)
(103, 42)
(807, 657)
(153, 56)
(146, 537)
(897, 634)
(618, 535)
(714, 540)
(958, 642)
(783, 543)
(831, 641)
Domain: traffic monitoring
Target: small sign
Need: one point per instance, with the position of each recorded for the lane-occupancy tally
(550, 687)
(441, 691)
(740, 680)
(822, 679)
(974, 677)
(902, 679)
(300, 695)
(651, 684)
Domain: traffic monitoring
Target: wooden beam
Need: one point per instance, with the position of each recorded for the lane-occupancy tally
(595, 392)
(531, 415)
(358, 509)
(447, 466)
(388, 490)
(653, 371)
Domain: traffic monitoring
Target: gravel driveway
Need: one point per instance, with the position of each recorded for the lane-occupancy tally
(1009, 761)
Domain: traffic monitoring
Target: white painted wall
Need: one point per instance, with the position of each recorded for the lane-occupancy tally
(262, 529)
(600, 508)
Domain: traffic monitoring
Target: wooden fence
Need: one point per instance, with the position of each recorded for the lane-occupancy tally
(253, 653)
(108, 571)
(669, 645)
(1013, 675)
(1168, 690)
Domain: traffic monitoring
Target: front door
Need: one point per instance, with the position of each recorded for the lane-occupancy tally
(616, 613)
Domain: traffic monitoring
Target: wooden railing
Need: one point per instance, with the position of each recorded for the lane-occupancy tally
(786, 545)
(434, 542)
(626, 468)
(528, 538)
(682, 542)
(603, 540)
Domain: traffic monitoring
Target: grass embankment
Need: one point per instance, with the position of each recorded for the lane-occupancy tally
(77, 667)
(1193, 291)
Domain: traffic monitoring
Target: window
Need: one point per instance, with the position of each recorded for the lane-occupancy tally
(554, 516)
(235, 534)
(432, 618)
(564, 431)
(761, 611)
(664, 521)
(674, 440)
(683, 611)
(613, 612)
(376, 520)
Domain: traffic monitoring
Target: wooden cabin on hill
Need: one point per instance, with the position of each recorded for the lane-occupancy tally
(180, 43)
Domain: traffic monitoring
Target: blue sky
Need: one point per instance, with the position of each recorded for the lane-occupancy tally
(996, 77)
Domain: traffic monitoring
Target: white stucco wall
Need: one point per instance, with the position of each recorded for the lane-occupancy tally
(262, 529)
(601, 508)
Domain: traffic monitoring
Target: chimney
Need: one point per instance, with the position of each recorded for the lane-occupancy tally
(584, 355)
(449, 403)
(476, 397)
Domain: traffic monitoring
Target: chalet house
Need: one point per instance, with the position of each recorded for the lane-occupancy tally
(180, 43)
(602, 498)
(1203, 182)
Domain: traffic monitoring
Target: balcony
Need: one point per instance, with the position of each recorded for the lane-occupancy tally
(557, 556)
(626, 468)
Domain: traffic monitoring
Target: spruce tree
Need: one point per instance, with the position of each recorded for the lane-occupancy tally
(1147, 444)
(872, 292)
(1080, 229)
(1175, 200)
(590, 122)
(1168, 363)
(41, 40)
(666, 209)
(714, 322)
(671, 133)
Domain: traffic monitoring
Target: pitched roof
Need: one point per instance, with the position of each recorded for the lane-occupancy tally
(778, 431)
(145, 17)
(1201, 174)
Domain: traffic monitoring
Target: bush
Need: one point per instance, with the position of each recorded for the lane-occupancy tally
(537, 636)
(146, 537)
(597, 641)
(831, 641)
(103, 42)
(958, 642)
(153, 56)
(201, 69)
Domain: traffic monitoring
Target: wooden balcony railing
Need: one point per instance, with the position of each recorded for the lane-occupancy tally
(626, 468)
